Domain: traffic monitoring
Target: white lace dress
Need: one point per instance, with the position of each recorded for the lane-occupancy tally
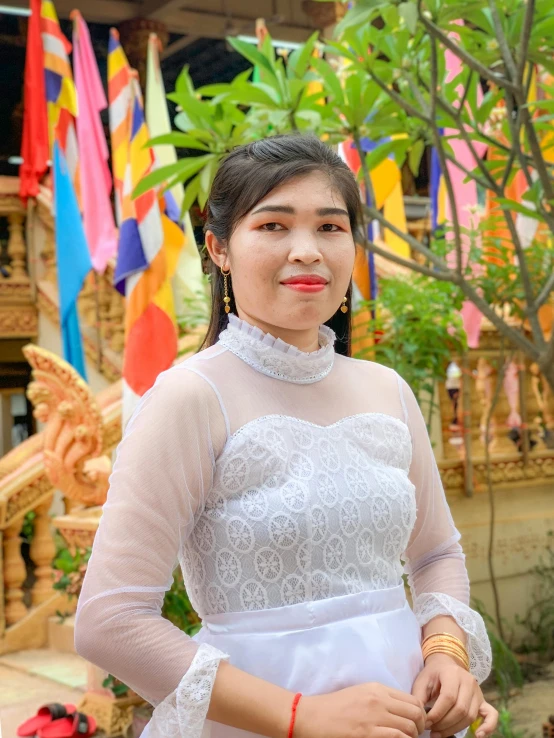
(293, 489)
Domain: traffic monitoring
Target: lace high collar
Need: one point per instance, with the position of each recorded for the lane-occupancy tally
(278, 359)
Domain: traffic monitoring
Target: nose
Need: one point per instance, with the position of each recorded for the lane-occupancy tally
(305, 249)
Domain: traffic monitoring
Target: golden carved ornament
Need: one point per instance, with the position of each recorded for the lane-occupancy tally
(73, 449)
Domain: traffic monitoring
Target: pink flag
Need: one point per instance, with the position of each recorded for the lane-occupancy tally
(96, 180)
(465, 194)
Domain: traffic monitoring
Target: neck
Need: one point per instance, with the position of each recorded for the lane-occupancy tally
(304, 340)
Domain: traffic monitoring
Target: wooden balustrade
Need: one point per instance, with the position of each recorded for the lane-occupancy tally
(18, 315)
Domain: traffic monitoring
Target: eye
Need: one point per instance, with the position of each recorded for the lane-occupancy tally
(330, 228)
(271, 227)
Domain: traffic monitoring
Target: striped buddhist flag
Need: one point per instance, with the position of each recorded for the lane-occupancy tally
(72, 254)
(148, 243)
(61, 97)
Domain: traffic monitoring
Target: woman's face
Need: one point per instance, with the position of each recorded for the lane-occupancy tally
(291, 257)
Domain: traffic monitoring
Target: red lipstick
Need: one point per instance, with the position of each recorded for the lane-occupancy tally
(306, 282)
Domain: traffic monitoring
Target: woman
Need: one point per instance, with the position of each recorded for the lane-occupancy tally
(288, 480)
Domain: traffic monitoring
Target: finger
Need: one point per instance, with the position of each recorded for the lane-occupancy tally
(402, 724)
(460, 710)
(414, 713)
(422, 688)
(397, 694)
(490, 720)
(446, 700)
(389, 733)
(465, 722)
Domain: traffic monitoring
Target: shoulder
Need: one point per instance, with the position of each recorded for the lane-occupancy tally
(181, 390)
(370, 371)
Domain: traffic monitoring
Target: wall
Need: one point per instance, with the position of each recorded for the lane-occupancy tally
(524, 515)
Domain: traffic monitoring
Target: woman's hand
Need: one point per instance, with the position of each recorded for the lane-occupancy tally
(459, 700)
(364, 711)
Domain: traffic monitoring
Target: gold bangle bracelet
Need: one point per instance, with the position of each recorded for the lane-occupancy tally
(459, 656)
(447, 636)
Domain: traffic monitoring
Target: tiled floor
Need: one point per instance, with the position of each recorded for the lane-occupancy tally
(29, 679)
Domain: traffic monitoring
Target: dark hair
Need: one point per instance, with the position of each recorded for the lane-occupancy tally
(250, 173)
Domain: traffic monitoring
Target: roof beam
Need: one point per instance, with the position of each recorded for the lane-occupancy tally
(214, 25)
(176, 46)
(196, 23)
(157, 8)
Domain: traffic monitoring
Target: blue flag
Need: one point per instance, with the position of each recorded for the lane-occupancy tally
(73, 259)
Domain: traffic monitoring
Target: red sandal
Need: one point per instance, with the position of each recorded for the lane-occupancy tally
(78, 725)
(45, 716)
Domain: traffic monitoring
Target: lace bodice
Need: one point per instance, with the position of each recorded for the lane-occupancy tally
(302, 512)
(273, 477)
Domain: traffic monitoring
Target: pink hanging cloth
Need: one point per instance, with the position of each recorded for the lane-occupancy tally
(465, 194)
(96, 179)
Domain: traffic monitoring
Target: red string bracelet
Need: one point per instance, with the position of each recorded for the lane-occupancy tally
(295, 702)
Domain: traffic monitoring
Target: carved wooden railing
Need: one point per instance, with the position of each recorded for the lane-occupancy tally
(18, 315)
(521, 431)
(29, 477)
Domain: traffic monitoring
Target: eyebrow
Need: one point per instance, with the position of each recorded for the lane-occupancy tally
(291, 211)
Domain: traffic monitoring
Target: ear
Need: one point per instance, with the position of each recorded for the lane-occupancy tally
(216, 250)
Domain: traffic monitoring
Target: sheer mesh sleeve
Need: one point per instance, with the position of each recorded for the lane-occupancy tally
(434, 560)
(161, 476)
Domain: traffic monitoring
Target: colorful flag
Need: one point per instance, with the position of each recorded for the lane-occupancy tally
(148, 245)
(187, 281)
(61, 95)
(96, 179)
(35, 150)
(72, 259)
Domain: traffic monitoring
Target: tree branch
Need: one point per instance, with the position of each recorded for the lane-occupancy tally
(471, 61)
(413, 266)
(544, 294)
(525, 279)
(524, 39)
(503, 43)
(398, 99)
(456, 114)
(441, 265)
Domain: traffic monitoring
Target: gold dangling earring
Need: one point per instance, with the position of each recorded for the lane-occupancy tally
(226, 298)
(344, 306)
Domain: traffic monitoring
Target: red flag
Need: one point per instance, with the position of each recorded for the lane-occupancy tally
(34, 144)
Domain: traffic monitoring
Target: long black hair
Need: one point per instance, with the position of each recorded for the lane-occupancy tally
(247, 175)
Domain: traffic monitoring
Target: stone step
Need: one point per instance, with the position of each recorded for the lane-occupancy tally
(61, 634)
(67, 669)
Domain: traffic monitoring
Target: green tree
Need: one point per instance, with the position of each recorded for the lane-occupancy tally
(390, 84)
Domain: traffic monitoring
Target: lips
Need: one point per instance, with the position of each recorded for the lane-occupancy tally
(308, 279)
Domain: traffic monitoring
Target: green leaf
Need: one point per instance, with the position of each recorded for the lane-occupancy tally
(414, 157)
(299, 61)
(251, 54)
(191, 194)
(184, 168)
(519, 208)
(214, 90)
(408, 11)
(205, 181)
(179, 140)
(252, 94)
(184, 84)
(330, 79)
(379, 154)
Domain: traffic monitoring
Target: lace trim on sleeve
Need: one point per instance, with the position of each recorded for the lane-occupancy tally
(430, 604)
(182, 714)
